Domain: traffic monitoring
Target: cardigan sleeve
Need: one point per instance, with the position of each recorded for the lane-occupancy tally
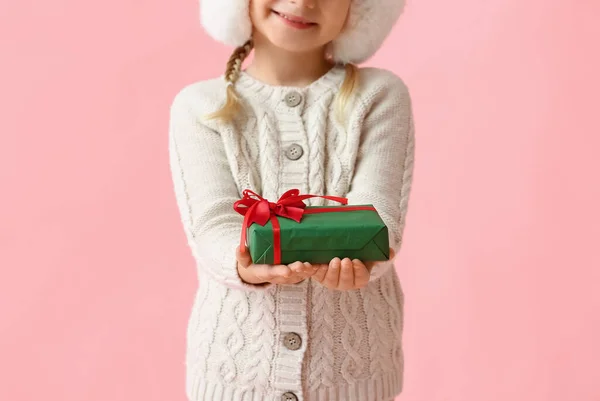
(205, 192)
(384, 164)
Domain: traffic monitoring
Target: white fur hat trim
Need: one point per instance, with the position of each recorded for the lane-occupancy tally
(369, 24)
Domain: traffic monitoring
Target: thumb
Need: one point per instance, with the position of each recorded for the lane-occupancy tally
(243, 258)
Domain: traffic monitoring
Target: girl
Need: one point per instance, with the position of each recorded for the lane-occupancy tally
(301, 115)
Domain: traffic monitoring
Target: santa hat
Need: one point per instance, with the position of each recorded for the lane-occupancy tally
(368, 25)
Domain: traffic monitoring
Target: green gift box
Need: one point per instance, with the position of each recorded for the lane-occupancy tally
(287, 231)
(324, 232)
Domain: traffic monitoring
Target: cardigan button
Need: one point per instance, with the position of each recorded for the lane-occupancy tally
(289, 396)
(292, 341)
(294, 152)
(293, 99)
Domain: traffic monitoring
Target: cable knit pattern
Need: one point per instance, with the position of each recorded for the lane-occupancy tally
(393, 319)
(249, 151)
(351, 338)
(269, 143)
(351, 346)
(335, 168)
(233, 338)
(376, 320)
(262, 327)
(318, 123)
(322, 357)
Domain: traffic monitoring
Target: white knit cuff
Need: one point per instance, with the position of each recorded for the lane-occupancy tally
(223, 264)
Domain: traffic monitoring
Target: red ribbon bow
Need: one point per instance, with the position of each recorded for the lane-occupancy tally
(257, 209)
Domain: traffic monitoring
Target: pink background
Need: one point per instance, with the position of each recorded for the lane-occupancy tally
(500, 263)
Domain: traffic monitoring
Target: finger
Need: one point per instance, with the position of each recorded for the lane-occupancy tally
(243, 258)
(305, 270)
(361, 274)
(369, 265)
(272, 272)
(281, 271)
(293, 279)
(261, 272)
(332, 277)
(392, 253)
(346, 275)
(297, 267)
(321, 272)
(296, 276)
(298, 273)
(309, 269)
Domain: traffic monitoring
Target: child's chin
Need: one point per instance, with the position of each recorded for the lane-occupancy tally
(297, 48)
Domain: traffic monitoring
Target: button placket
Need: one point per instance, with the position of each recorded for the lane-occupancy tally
(291, 301)
(293, 98)
(294, 151)
(292, 341)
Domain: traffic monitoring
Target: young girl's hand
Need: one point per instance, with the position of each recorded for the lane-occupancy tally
(345, 274)
(277, 274)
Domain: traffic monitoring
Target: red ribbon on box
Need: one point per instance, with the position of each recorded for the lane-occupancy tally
(257, 209)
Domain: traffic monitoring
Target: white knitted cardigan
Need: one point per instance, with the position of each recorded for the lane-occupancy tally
(351, 345)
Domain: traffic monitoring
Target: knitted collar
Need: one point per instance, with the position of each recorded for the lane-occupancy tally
(274, 95)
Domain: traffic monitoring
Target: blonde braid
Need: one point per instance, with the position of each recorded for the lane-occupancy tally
(232, 73)
(346, 92)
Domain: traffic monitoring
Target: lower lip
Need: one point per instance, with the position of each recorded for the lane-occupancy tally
(297, 25)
